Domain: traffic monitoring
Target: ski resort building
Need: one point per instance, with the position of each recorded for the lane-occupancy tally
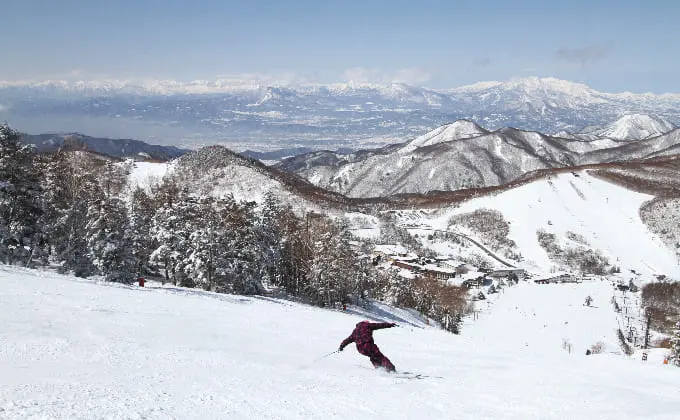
(507, 273)
(557, 278)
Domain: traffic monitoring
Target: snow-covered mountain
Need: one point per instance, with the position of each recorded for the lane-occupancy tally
(634, 127)
(489, 159)
(464, 155)
(461, 129)
(119, 148)
(664, 145)
(262, 115)
(217, 171)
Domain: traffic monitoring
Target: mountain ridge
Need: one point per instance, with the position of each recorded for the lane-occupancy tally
(255, 114)
(440, 160)
(117, 148)
(203, 86)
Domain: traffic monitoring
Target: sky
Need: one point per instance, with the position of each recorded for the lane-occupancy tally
(610, 45)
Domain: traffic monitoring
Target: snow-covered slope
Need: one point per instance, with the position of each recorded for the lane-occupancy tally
(217, 171)
(147, 174)
(464, 155)
(603, 215)
(663, 145)
(445, 159)
(77, 349)
(635, 127)
(461, 129)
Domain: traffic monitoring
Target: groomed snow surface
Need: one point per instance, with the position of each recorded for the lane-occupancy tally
(73, 348)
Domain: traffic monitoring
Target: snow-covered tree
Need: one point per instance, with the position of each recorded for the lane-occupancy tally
(333, 264)
(169, 229)
(141, 211)
(108, 240)
(393, 288)
(238, 265)
(20, 206)
(675, 346)
(203, 243)
(270, 240)
(107, 230)
(293, 267)
(72, 193)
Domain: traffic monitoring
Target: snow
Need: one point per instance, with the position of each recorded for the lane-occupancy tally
(542, 316)
(606, 214)
(461, 129)
(636, 127)
(71, 348)
(391, 249)
(146, 174)
(244, 183)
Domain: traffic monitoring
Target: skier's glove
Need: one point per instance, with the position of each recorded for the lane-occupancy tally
(394, 325)
(340, 348)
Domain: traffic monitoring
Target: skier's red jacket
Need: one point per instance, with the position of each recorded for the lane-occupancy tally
(363, 334)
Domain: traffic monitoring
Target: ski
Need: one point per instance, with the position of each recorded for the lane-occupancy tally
(413, 375)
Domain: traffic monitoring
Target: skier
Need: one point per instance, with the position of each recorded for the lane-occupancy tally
(363, 337)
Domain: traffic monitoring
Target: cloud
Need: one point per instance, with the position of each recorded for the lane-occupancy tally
(4, 108)
(76, 73)
(278, 79)
(482, 62)
(411, 76)
(584, 56)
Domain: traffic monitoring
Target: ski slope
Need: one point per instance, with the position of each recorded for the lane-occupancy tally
(78, 349)
(542, 317)
(605, 214)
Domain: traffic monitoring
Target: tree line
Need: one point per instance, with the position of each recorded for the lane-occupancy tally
(71, 211)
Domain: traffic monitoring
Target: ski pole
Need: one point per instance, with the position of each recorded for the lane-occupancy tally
(326, 355)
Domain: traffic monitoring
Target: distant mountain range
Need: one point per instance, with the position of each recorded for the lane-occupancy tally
(118, 148)
(457, 156)
(463, 155)
(263, 118)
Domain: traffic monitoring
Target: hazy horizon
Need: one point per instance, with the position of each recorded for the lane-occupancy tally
(438, 44)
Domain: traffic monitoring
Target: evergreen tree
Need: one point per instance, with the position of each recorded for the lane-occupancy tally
(269, 240)
(333, 265)
(203, 244)
(142, 210)
(20, 205)
(72, 188)
(168, 230)
(238, 263)
(293, 267)
(108, 240)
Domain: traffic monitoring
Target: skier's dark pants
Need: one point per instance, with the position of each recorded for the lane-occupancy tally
(377, 358)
